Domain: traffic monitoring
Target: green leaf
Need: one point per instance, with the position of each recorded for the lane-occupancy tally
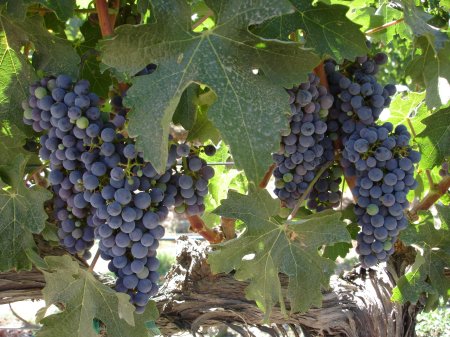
(432, 71)
(371, 17)
(417, 20)
(15, 76)
(203, 129)
(411, 285)
(143, 6)
(341, 248)
(219, 185)
(404, 106)
(52, 54)
(420, 190)
(85, 299)
(249, 109)
(21, 214)
(326, 29)
(267, 248)
(11, 143)
(90, 66)
(64, 9)
(186, 111)
(15, 8)
(427, 274)
(434, 141)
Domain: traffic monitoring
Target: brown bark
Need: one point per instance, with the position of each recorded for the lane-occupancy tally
(357, 304)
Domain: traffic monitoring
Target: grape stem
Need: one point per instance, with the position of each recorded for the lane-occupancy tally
(430, 179)
(310, 187)
(386, 25)
(430, 199)
(320, 71)
(94, 261)
(198, 226)
(266, 178)
(103, 18)
(411, 127)
(228, 229)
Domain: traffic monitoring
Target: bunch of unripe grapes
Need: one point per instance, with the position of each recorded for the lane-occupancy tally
(104, 189)
(380, 157)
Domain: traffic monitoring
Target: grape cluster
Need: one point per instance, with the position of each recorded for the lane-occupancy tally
(384, 164)
(359, 98)
(192, 180)
(326, 192)
(64, 110)
(304, 146)
(379, 156)
(131, 205)
(103, 186)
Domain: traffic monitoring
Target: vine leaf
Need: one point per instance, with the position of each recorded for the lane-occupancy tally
(85, 299)
(268, 247)
(64, 9)
(21, 214)
(203, 129)
(404, 106)
(224, 179)
(432, 70)
(434, 140)
(249, 109)
(12, 141)
(326, 29)
(341, 249)
(417, 20)
(433, 256)
(17, 9)
(90, 67)
(186, 112)
(15, 75)
(52, 54)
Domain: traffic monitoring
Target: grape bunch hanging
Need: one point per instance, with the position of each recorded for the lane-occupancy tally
(336, 130)
(104, 189)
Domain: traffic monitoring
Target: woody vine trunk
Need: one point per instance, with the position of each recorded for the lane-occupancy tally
(356, 305)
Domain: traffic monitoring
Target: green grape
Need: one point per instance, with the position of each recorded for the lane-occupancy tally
(372, 209)
(82, 122)
(40, 92)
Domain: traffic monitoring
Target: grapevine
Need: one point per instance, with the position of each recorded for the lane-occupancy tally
(288, 139)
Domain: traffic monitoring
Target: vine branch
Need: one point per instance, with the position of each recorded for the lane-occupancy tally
(103, 17)
(430, 179)
(431, 198)
(94, 261)
(267, 175)
(198, 226)
(228, 229)
(386, 25)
